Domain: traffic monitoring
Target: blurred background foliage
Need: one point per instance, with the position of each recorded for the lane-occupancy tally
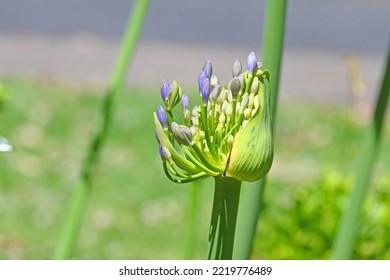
(53, 73)
(135, 212)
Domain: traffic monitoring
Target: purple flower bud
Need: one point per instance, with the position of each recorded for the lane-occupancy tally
(208, 69)
(205, 91)
(237, 68)
(162, 116)
(184, 101)
(165, 89)
(201, 78)
(165, 153)
(251, 63)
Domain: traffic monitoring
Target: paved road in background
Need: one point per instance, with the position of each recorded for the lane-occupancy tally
(362, 25)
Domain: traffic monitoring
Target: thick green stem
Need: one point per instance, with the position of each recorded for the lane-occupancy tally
(80, 196)
(273, 39)
(223, 218)
(349, 226)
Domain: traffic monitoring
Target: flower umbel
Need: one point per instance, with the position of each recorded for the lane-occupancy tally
(229, 133)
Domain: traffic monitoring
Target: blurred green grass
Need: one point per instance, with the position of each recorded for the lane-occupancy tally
(135, 212)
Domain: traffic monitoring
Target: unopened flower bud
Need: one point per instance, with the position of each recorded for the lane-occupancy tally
(195, 121)
(215, 94)
(237, 68)
(174, 96)
(165, 154)
(222, 96)
(201, 78)
(242, 81)
(184, 101)
(255, 85)
(244, 101)
(214, 82)
(208, 69)
(182, 134)
(187, 116)
(235, 87)
(165, 89)
(162, 117)
(202, 135)
(229, 111)
(205, 91)
(195, 111)
(222, 119)
(252, 63)
(224, 106)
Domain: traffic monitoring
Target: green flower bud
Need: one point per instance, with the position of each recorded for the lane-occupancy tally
(174, 97)
(251, 155)
(235, 87)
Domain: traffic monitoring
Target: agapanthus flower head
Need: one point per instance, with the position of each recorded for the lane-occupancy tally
(228, 134)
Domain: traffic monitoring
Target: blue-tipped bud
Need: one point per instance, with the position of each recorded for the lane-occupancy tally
(165, 89)
(184, 101)
(208, 69)
(165, 154)
(201, 78)
(235, 87)
(162, 116)
(237, 68)
(252, 63)
(205, 91)
(182, 134)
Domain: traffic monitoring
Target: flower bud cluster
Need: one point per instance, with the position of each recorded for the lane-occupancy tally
(215, 129)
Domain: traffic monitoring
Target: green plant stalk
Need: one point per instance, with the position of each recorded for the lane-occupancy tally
(350, 221)
(252, 193)
(192, 221)
(223, 218)
(78, 202)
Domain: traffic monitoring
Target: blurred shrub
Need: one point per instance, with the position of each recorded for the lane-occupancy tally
(300, 223)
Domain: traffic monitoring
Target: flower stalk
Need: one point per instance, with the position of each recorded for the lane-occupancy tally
(223, 218)
(78, 202)
(350, 221)
(252, 193)
(227, 136)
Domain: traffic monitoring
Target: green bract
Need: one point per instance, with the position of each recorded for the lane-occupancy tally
(229, 133)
